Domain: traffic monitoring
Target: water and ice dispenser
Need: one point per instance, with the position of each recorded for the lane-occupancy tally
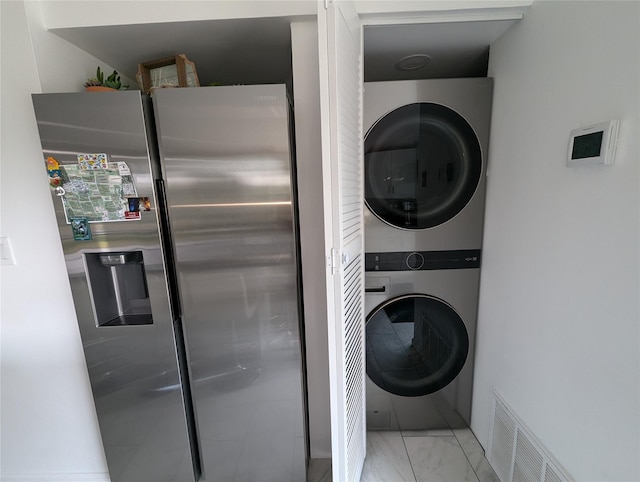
(118, 286)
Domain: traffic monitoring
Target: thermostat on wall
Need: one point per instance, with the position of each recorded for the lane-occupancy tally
(594, 144)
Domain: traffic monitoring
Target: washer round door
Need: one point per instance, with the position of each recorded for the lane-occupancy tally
(416, 345)
(422, 165)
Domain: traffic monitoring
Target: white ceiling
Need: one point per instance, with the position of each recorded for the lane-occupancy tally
(457, 49)
(252, 51)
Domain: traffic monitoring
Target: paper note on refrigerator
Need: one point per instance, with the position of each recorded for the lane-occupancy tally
(99, 195)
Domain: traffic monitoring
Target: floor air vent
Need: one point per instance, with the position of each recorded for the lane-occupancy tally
(514, 452)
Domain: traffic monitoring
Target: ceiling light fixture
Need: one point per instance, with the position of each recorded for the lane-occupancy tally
(413, 62)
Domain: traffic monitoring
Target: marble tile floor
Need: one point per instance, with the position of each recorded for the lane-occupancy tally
(418, 456)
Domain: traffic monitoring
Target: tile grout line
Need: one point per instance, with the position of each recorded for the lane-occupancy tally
(415, 477)
(466, 456)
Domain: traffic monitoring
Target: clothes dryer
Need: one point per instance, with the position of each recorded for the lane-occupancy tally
(425, 155)
(420, 340)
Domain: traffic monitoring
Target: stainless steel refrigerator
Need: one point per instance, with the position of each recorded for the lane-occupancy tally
(178, 226)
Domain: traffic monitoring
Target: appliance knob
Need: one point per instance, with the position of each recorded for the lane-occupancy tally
(415, 261)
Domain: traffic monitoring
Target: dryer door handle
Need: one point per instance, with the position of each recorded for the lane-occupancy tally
(376, 289)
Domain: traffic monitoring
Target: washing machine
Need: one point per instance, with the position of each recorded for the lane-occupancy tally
(425, 155)
(420, 340)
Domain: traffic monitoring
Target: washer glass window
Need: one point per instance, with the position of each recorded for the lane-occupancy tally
(422, 165)
(416, 345)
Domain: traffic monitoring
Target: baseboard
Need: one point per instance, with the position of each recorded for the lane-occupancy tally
(90, 477)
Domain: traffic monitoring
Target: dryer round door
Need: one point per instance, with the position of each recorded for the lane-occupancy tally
(422, 165)
(416, 345)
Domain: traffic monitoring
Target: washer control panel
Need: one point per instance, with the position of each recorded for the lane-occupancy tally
(422, 260)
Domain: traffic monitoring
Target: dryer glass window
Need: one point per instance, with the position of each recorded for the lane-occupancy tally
(422, 165)
(416, 345)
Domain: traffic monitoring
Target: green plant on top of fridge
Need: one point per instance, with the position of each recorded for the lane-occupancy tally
(112, 81)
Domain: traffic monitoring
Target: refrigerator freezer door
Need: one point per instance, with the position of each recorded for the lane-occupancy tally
(226, 161)
(118, 281)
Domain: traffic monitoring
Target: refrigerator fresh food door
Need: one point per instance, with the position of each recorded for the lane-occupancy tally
(97, 159)
(226, 161)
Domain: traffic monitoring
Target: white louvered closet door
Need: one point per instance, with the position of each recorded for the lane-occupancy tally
(340, 50)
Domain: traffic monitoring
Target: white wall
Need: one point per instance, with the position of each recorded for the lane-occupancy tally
(62, 67)
(559, 306)
(49, 426)
(306, 91)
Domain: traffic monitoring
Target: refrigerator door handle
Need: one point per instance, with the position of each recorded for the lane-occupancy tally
(169, 256)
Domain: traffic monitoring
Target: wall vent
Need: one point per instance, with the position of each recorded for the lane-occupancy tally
(515, 454)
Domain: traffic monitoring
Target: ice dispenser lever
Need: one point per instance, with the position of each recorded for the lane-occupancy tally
(118, 286)
(117, 259)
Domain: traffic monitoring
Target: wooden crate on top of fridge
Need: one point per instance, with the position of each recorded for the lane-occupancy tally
(176, 71)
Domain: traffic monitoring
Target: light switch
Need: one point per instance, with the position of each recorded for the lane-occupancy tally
(6, 254)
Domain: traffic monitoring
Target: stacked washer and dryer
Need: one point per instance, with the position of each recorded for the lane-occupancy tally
(425, 157)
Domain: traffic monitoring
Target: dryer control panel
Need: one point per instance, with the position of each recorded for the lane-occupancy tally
(422, 260)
